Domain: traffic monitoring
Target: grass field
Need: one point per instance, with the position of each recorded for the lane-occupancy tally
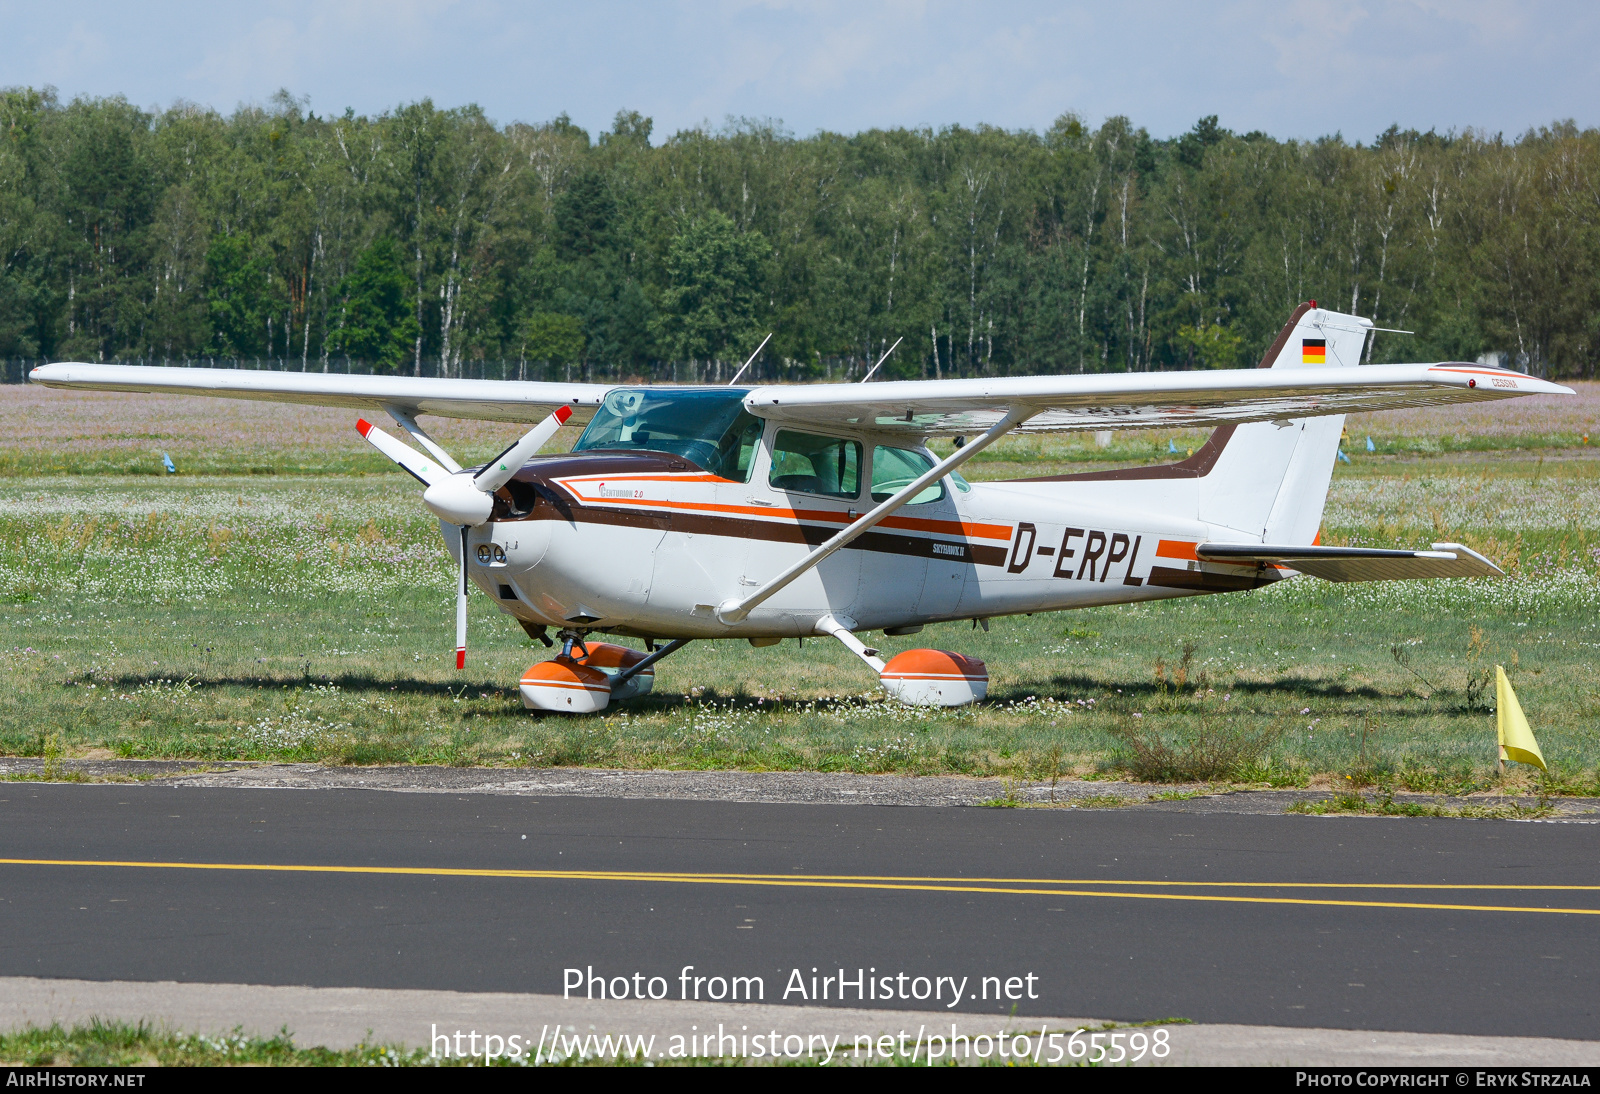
(286, 597)
(120, 1044)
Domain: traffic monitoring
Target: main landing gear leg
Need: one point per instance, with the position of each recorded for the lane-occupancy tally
(829, 625)
(919, 678)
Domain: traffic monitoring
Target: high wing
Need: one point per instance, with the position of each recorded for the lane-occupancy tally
(489, 400)
(914, 408)
(1140, 400)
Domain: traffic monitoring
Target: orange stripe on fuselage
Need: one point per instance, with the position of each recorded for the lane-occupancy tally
(1179, 548)
(1000, 532)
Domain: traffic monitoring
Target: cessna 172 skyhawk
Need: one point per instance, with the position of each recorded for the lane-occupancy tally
(766, 513)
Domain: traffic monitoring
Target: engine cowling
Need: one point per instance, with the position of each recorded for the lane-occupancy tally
(935, 678)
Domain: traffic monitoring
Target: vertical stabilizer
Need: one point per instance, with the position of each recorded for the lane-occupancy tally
(1263, 481)
(1271, 479)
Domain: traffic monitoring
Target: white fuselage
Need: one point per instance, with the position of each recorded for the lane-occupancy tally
(652, 551)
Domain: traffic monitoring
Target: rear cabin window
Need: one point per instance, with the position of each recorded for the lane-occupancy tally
(816, 465)
(893, 469)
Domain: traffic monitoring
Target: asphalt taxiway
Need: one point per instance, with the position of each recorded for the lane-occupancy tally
(1431, 926)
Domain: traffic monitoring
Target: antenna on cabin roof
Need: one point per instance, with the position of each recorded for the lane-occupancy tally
(746, 365)
(884, 358)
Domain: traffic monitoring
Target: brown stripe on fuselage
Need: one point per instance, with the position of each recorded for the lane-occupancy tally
(813, 535)
(1210, 580)
(1200, 464)
(555, 503)
(633, 461)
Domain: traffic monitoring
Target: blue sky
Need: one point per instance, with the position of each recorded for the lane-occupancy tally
(1295, 68)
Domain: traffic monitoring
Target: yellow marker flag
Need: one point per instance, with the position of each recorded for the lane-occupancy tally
(1516, 739)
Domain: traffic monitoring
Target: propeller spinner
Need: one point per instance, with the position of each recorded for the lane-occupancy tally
(463, 498)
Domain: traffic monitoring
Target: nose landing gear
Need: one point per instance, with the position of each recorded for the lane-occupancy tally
(586, 676)
(565, 683)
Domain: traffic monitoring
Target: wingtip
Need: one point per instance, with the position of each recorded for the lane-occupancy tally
(563, 413)
(363, 427)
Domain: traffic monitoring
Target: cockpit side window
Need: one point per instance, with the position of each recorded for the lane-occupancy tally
(816, 465)
(893, 469)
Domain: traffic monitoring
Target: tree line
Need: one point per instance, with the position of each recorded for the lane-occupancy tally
(434, 237)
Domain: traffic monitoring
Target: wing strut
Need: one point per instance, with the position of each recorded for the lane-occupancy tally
(840, 629)
(407, 421)
(734, 610)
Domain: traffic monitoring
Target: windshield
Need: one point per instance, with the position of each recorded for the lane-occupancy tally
(711, 429)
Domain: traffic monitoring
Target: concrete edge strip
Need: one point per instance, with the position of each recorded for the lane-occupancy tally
(346, 1017)
(787, 787)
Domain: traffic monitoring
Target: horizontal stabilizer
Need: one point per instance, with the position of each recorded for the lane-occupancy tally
(1356, 563)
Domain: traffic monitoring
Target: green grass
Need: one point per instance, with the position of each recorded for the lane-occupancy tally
(142, 1044)
(284, 617)
(126, 1044)
(1384, 805)
(270, 619)
(136, 1045)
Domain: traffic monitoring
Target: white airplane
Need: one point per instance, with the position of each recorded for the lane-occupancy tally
(774, 512)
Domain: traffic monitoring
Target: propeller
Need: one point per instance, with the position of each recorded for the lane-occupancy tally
(461, 497)
(461, 606)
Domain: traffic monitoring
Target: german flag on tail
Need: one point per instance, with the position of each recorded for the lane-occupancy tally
(1313, 351)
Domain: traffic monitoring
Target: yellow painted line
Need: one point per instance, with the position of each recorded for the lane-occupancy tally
(1134, 881)
(888, 879)
(805, 881)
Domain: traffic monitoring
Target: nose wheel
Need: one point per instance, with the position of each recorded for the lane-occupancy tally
(565, 683)
(585, 678)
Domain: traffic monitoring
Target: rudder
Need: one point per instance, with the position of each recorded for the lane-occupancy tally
(1270, 481)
